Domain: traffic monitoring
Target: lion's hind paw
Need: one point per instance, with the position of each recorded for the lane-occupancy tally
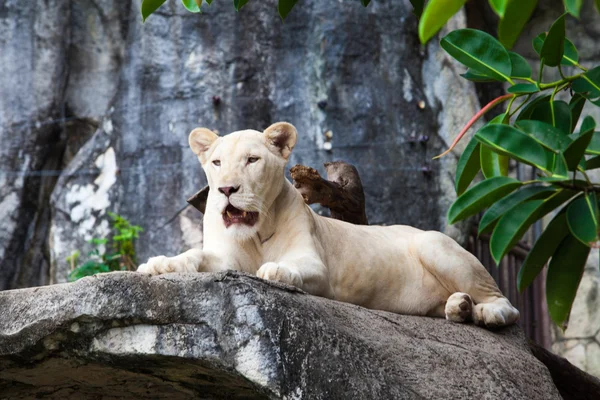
(459, 307)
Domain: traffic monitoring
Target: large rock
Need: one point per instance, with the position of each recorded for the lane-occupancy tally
(127, 335)
(60, 65)
(32, 82)
(134, 91)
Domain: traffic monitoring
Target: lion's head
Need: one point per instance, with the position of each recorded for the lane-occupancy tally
(245, 172)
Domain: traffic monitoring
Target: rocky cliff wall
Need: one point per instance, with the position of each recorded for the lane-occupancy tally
(111, 100)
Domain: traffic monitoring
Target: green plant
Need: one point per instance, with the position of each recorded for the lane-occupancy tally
(120, 258)
(432, 14)
(539, 132)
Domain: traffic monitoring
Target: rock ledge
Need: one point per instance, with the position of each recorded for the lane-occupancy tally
(230, 335)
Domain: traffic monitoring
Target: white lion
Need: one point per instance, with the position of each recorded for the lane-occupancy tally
(257, 222)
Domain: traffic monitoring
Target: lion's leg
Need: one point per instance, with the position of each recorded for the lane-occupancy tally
(194, 260)
(306, 272)
(459, 272)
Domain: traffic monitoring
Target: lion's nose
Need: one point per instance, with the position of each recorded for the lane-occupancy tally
(228, 190)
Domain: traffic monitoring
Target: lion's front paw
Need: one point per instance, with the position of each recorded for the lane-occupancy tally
(279, 272)
(163, 265)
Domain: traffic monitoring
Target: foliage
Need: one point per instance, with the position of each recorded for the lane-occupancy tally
(121, 257)
(432, 14)
(539, 132)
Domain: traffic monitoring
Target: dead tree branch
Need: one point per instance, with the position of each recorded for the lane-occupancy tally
(342, 192)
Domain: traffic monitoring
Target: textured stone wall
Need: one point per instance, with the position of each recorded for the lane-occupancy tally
(112, 100)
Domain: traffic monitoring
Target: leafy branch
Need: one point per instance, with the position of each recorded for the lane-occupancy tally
(542, 136)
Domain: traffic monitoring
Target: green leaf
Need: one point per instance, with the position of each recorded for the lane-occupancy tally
(545, 134)
(597, 2)
(479, 51)
(418, 7)
(528, 109)
(492, 163)
(556, 113)
(582, 217)
(592, 163)
(238, 4)
(435, 15)
(559, 169)
(481, 196)
(88, 268)
(515, 17)
(588, 82)
(574, 154)
(588, 124)
(192, 5)
(365, 2)
(542, 250)
(520, 66)
(209, 2)
(564, 274)
(499, 6)
(554, 45)
(493, 214)
(468, 166)
(594, 146)
(523, 88)
(475, 76)
(514, 223)
(149, 6)
(573, 7)
(285, 6)
(509, 141)
(538, 42)
(97, 241)
(576, 106)
(570, 57)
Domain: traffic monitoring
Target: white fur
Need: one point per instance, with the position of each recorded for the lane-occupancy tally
(396, 268)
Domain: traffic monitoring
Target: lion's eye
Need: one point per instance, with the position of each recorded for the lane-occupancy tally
(217, 163)
(252, 160)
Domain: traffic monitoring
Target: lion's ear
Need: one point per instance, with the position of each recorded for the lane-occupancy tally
(281, 138)
(200, 140)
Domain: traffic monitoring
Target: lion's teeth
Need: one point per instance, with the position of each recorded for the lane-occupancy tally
(244, 214)
(229, 214)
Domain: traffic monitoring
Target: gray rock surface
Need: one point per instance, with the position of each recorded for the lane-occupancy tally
(32, 84)
(112, 100)
(127, 335)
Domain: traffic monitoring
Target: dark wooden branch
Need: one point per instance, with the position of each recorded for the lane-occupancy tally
(198, 201)
(571, 382)
(342, 192)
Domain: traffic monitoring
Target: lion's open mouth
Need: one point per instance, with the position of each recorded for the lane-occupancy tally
(232, 215)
